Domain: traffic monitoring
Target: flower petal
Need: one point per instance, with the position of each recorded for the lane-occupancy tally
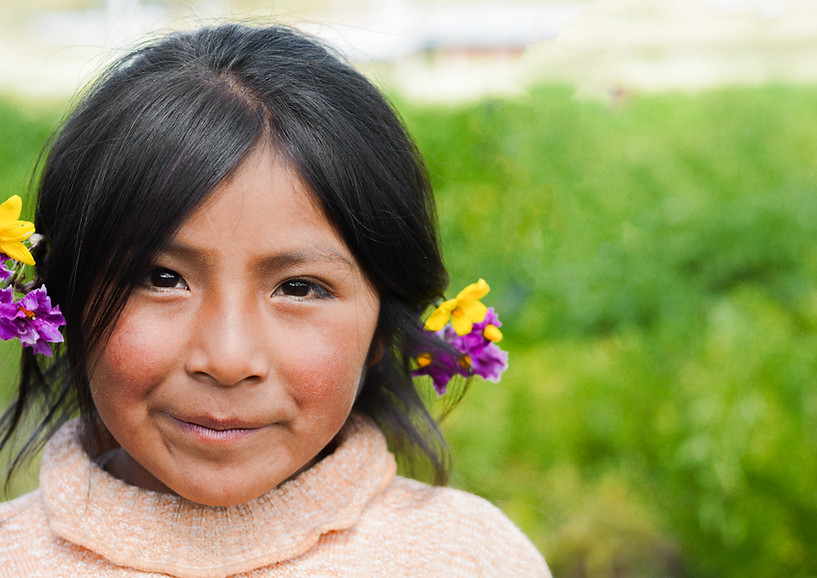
(473, 310)
(462, 324)
(423, 360)
(474, 291)
(42, 348)
(490, 363)
(10, 209)
(492, 333)
(440, 316)
(13, 231)
(17, 251)
(16, 231)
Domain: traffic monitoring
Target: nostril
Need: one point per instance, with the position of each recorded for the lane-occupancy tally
(227, 369)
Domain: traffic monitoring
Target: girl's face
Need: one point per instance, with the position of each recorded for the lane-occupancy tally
(239, 357)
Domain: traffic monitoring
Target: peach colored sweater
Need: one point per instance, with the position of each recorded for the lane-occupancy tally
(349, 515)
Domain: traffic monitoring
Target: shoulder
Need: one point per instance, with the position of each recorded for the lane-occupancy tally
(443, 502)
(463, 529)
(20, 517)
(24, 533)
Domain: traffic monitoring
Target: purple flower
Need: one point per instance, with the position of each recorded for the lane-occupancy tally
(487, 359)
(5, 272)
(490, 363)
(478, 355)
(441, 366)
(33, 320)
(8, 311)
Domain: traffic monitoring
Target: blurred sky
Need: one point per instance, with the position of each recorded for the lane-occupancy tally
(447, 49)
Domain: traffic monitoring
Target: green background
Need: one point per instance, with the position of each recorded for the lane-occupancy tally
(653, 263)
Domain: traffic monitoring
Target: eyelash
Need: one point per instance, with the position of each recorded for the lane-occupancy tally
(157, 275)
(159, 278)
(302, 288)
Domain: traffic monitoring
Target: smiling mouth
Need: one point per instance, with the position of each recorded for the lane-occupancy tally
(215, 430)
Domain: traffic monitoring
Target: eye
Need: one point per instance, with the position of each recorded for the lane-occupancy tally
(302, 289)
(165, 279)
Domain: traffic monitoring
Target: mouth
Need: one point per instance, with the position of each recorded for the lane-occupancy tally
(211, 429)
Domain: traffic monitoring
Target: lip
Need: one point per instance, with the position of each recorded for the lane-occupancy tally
(216, 430)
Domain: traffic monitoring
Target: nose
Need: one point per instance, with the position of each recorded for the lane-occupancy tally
(226, 344)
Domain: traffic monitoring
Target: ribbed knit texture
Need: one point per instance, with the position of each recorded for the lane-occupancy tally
(348, 515)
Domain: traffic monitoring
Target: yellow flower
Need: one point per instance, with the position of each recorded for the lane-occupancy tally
(463, 311)
(492, 333)
(13, 231)
(423, 360)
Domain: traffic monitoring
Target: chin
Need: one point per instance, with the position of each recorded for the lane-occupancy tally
(220, 500)
(220, 495)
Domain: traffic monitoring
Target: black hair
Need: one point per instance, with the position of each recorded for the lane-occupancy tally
(150, 141)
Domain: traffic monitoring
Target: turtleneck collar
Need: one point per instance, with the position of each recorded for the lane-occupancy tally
(157, 532)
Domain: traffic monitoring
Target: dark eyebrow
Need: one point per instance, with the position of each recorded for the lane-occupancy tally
(318, 253)
(183, 252)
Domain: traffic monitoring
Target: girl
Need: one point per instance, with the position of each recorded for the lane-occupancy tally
(240, 235)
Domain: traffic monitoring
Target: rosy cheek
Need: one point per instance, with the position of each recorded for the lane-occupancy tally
(130, 356)
(321, 380)
(327, 372)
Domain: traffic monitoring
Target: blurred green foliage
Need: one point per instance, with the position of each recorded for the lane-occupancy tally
(653, 264)
(653, 261)
(24, 132)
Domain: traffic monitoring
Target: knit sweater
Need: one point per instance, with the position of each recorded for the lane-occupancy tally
(348, 515)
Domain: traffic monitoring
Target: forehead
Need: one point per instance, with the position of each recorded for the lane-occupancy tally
(264, 206)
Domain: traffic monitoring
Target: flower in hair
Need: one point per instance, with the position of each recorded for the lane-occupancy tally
(39, 321)
(26, 313)
(463, 311)
(13, 231)
(467, 352)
